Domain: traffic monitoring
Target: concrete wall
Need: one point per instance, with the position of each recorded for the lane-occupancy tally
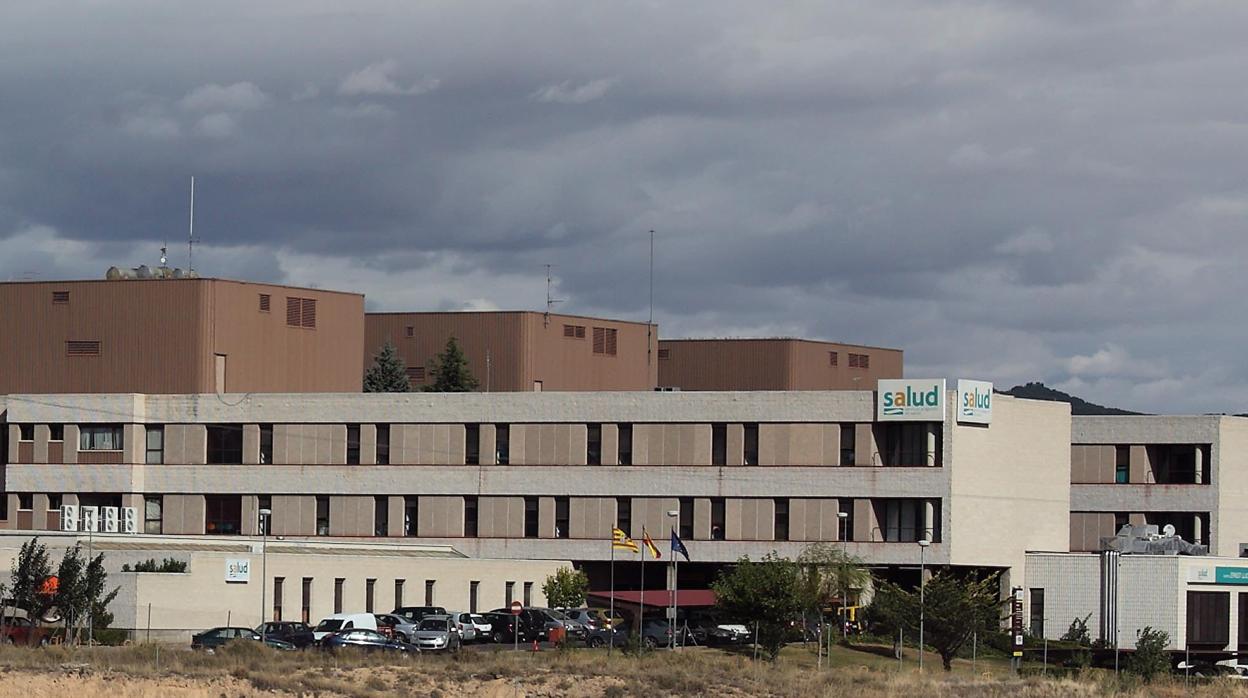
(1229, 518)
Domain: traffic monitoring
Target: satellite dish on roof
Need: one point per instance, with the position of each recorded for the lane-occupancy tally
(1168, 531)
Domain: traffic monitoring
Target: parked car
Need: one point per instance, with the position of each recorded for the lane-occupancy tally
(20, 631)
(437, 633)
(708, 628)
(539, 620)
(365, 640)
(575, 630)
(344, 621)
(293, 632)
(504, 628)
(482, 624)
(415, 613)
(397, 627)
(218, 637)
(274, 643)
(467, 629)
(591, 618)
(655, 633)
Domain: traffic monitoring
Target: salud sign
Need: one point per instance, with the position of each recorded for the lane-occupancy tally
(974, 402)
(910, 400)
(238, 570)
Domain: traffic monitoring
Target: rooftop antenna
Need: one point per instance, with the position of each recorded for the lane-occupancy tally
(650, 321)
(190, 240)
(550, 302)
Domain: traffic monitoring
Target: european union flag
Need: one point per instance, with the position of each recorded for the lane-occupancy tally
(678, 547)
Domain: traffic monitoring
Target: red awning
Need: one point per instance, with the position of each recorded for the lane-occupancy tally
(661, 598)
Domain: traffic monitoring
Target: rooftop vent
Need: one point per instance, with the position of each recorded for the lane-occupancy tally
(1147, 540)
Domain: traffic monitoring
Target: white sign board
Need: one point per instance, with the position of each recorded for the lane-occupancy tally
(974, 402)
(238, 570)
(910, 400)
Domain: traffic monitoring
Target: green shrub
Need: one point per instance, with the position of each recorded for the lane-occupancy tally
(150, 565)
(1150, 657)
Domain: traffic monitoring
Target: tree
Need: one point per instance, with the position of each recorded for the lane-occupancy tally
(29, 570)
(388, 374)
(71, 591)
(450, 371)
(766, 593)
(1149, 658)
(830, 574)
(566, 588)
(98, 601)
(954, 609)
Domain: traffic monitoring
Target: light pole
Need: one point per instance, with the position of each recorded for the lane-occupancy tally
(922, 574)
(671, 624)
(843, 519)
(264, 566)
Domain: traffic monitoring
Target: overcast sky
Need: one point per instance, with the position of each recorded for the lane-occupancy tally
(1020, 191)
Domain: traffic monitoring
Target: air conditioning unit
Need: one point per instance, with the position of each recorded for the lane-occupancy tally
(111, 519)
(129, 520)
(90, 519)
(69, 517)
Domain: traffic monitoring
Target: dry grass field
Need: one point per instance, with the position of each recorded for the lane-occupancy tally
(250, 670)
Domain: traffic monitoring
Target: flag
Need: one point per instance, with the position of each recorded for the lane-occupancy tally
(620, 541)
(646, 541)
(678, 547)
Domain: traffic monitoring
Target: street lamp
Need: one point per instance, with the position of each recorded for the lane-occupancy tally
(671, 624)
(922, 574)
(843, 519)
(264, 566)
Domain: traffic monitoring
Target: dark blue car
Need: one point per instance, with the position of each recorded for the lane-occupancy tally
(366, 640)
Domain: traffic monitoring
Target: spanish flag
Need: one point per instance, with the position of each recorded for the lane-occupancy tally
(621, 541)
(645, 540)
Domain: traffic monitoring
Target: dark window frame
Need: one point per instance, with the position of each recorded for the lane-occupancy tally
(223, 444)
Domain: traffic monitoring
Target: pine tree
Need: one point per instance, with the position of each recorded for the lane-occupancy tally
(30, 568)
(388, 374)
(450, 371)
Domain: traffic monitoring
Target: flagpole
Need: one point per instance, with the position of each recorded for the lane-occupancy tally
(641, 607)
(611, 630)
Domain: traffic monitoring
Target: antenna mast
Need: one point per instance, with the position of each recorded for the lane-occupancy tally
(650, 321)
(190, 240)
(550, 302)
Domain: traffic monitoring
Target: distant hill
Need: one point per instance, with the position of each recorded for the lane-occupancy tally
(1078, 406)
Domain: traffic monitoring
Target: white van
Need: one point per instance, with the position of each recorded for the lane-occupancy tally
(343, 621)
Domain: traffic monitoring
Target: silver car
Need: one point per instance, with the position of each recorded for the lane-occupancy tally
(437, 633)
(467, 628)
(400, 626)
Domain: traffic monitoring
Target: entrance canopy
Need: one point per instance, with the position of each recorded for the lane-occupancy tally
(659, 598)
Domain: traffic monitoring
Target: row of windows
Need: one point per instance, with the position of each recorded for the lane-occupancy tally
(855, 360)
(370, 595)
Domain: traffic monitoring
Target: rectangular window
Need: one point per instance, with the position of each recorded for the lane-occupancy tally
(82, 347)
(502, 444)
(54, 502)
(1209, 618)
(26, 432)
(381, 515)
(859, 360)
(845, 524)
(383, 444)
(848, 441)
(266, 302)
(416, 375)
(530, 517)
(474, 587)
(370, 595)
(472, 444)
(428, 592)
(301, 312)
(686, 518)
(410, 331)
(605, 341)
(593, 444)
(411, 515)
(153, 514)
(625, 446)
(322, 516)
(353, 444)
(528, 594)
(225, 444)
(265, 502)
(509, 593)
(750, 444)
(719, 444)
(665, 354)
(574, 331)
(902, 520)
(832, 358)
(155, 445)
(25, 502)
(398, 592)
(717, 518)
(4, 507)
(782, 519)
(624, 514)
(98, 437)
(1037, 613)
(562, 517)
(1122, 465)
(306, 606)
(339, 582)
(278, 584)
(59, 297)
(470, 517)
(266, 443)
(56, 432)
(223, 514)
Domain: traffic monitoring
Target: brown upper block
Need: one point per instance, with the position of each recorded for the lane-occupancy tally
(773, 364)
(178, 336)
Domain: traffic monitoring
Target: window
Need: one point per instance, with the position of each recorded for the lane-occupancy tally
(301, 312)
(4, 507)
(473, 587)
(56, 432)
(223, 515)
(1036, 615)
(266, 443)
(528, 594)
(383, 444)
(1209, 618)
(470, 517)
(1122, 465)
(416, 375)
(155, 445)
(665, 354)
(750, 444)
(625, 445)
(904, 444)
(322, 516)
(530, 517)
(398, 592)
(1121, 519)
(574, 331)
(60, 297)
(409, 331)
(686, 518)
(717, 518)
(381, 516)
(502, 444)
(604, 341)
(509, 593)
(307, 600)
(82, 347)
(782, 519)
(25, 502)
(153, 514)
(832, 358)
(562, 518)
(719, 444)
(26, 432)
(54, 502)
(353, 444)
(859, 360)
(411, 515)
(100, 438)
(429, 592)
(339, 582)
(472, 444)
(225, 444)
(593, 444)
(845, 524)
(266, 302)
(265, 501)
(370, 595)
(278, 584)
(902, 520)
(624, 514)
(848, 440)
